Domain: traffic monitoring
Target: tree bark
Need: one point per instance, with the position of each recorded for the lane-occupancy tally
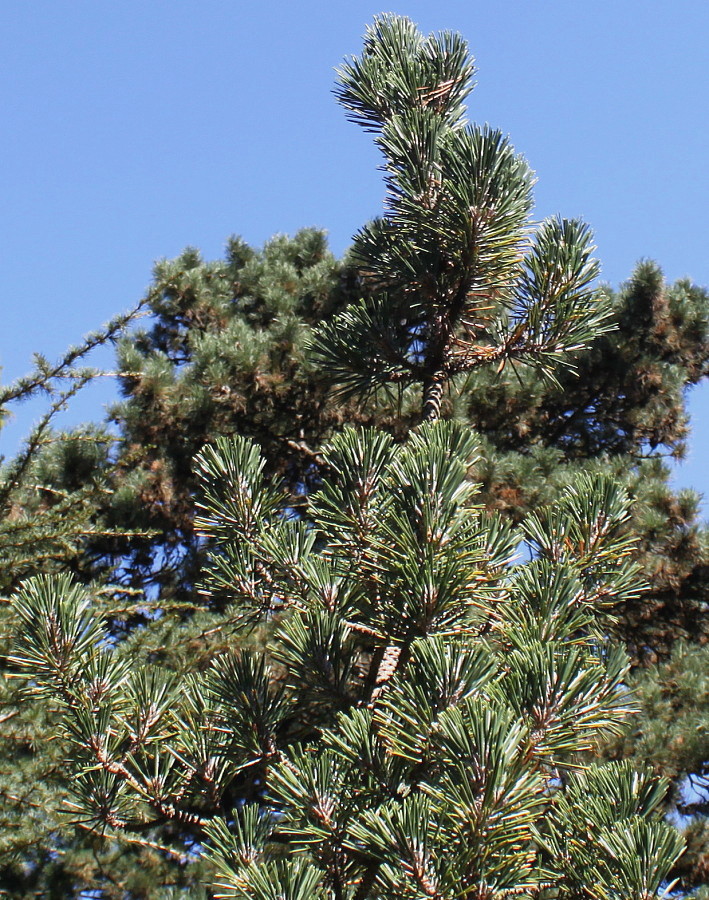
(433, 386)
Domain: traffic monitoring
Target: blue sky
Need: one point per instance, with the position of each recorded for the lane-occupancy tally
(135, 129)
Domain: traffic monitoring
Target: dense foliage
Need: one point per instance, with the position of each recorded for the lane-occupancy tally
(413, 724)
(450, 305)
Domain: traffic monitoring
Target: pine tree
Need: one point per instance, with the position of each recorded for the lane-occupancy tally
(408, 711)
(226, 355)
(52, 508)
(230, 367)
(415, 723)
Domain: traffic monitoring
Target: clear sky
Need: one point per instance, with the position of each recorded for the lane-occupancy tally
(133, 129)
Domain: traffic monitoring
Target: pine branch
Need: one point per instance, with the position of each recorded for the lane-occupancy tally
(43, 376)
(21, 463)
